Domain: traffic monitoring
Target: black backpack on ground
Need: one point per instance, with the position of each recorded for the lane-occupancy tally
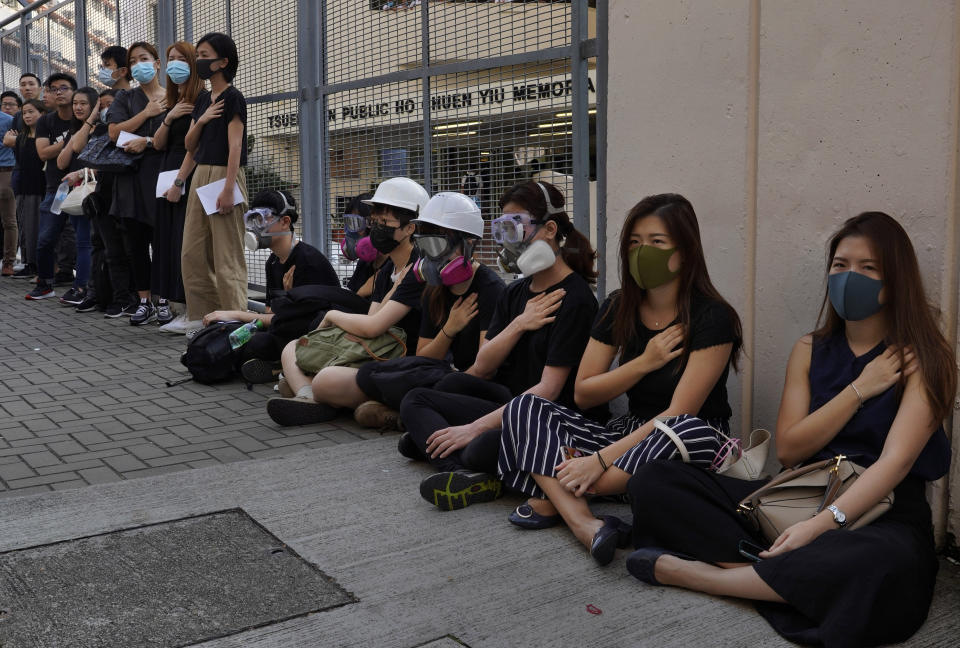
(208, 357)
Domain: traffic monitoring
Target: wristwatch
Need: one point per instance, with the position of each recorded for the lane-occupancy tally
(149, 142)
(177, 182)
(838, 516)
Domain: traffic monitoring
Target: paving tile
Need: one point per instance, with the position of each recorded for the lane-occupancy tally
(19, 470)
(146, 451)
(101, 475)
(123, 463)
(90, 438)
(40, 459)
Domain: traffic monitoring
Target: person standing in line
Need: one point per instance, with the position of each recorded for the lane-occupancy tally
(212, 261)
(29, 186)
(183, 87)
(53, 129)
(139, 112)
(10, 103)
(8, 205)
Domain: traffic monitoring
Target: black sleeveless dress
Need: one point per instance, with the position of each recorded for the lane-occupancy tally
(863, 587)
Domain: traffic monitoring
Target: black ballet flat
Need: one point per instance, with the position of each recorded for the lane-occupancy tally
(615, 533)
(526, 518)
(641, 562)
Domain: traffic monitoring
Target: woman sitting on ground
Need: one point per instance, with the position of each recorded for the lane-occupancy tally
(395, 302)
(676, 338)
(533, 345)
(873, 383)
(457, 306)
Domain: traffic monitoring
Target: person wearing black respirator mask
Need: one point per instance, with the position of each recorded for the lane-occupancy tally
(395, 302)
(269, 224)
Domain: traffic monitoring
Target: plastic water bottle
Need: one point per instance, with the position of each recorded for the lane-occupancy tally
(242, 335)
(59, 197)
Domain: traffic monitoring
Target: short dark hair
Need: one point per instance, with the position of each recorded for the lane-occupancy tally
(224, 46)
(61, 76)
(11, 93)
(30, 74)
(109, 92)
(117, 54)
(274, 198)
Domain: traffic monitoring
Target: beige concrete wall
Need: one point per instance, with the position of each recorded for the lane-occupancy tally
(840, 108)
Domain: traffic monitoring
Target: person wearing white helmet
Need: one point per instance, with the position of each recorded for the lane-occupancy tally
(395, 302)
(533, 345)
(458, 302)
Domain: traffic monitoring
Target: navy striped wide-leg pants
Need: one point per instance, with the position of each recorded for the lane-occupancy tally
(535, 430)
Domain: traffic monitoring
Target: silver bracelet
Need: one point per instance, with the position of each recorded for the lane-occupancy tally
(859, 395)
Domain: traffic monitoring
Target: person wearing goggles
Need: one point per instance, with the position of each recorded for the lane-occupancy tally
(458, 303)
(270, 224)
(357, 247)
(395, 301)
(533, 345)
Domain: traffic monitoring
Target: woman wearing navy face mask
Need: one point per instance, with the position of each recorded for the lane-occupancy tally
(533, 345)
(139, 112)
(457, 305)
(873, 383)
(675, 338)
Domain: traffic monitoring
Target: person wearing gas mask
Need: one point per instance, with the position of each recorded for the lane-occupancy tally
(183, 87)
(457, 306)
(676, 338)
(357, 247)
(533, 345)
(269, 224)
(874, 383)
(395, 302)
(139, 112)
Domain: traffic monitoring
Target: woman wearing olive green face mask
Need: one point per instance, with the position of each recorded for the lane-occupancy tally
(676, 338)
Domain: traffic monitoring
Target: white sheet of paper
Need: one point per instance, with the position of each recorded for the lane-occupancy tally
(208, 195)
(125, 137)
(165, 181)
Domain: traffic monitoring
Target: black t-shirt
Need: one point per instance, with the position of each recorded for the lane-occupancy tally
(488, 287)
(31, 180)
(558, 344)
(312, 268)
(54, 129)
(710, 325)
(214, 147)
(408, 293)
(363, 271)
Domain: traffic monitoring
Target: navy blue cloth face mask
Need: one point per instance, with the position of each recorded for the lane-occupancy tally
(854, 296)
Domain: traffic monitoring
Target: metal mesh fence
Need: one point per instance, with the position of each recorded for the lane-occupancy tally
(484, 103)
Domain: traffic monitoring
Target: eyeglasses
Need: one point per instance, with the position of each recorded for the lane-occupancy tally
(60, 89)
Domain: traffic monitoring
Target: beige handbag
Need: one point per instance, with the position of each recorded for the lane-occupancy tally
(73, 203)
(798, 494)
(745, 464)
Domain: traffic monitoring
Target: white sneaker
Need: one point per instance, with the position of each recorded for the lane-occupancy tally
(181, 325)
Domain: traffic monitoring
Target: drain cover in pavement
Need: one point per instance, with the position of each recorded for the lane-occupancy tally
(169, 584)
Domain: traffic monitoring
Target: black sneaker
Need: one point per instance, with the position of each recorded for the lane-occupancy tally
(131, 309)
(63, 279)
(26, 272)
(88, 305)
(259, 372)
(299, 411)
(164, 314)
(42, 290)
(114, 310)
(73, 297)
(146, 312)
(409, 449)
(450, 491)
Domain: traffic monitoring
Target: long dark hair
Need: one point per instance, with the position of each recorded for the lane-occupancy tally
(434, 295)
(911, 319)
(93, 97)
(575, 248)
(42, 109)
(678, 216)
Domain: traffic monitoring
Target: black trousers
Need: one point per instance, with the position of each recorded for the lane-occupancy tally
(117, 264)
(457, 399)
(137, 237)
(167, 243)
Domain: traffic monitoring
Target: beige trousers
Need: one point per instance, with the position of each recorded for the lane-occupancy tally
(212, 264)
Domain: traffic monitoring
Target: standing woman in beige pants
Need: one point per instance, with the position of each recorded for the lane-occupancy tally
(212, 263)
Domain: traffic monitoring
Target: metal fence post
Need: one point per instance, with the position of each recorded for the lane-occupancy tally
(312, 122)
(24, 45)
(80, 40)
(228, 17)
(188, 20)
(581, 117)
(166, 24)
(425, 56)
(601, 103)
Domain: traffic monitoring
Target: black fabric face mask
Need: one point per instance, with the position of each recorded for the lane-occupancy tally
(382, 238)
(203, 68)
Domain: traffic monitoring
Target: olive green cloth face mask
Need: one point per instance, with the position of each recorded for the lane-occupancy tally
(648, 266)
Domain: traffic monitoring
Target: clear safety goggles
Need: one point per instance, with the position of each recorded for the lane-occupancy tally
(513, 228)
(354, 223)
(433, 246)
(259, 217)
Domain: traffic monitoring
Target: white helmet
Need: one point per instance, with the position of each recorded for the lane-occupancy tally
(453, 211)
(400, 192)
